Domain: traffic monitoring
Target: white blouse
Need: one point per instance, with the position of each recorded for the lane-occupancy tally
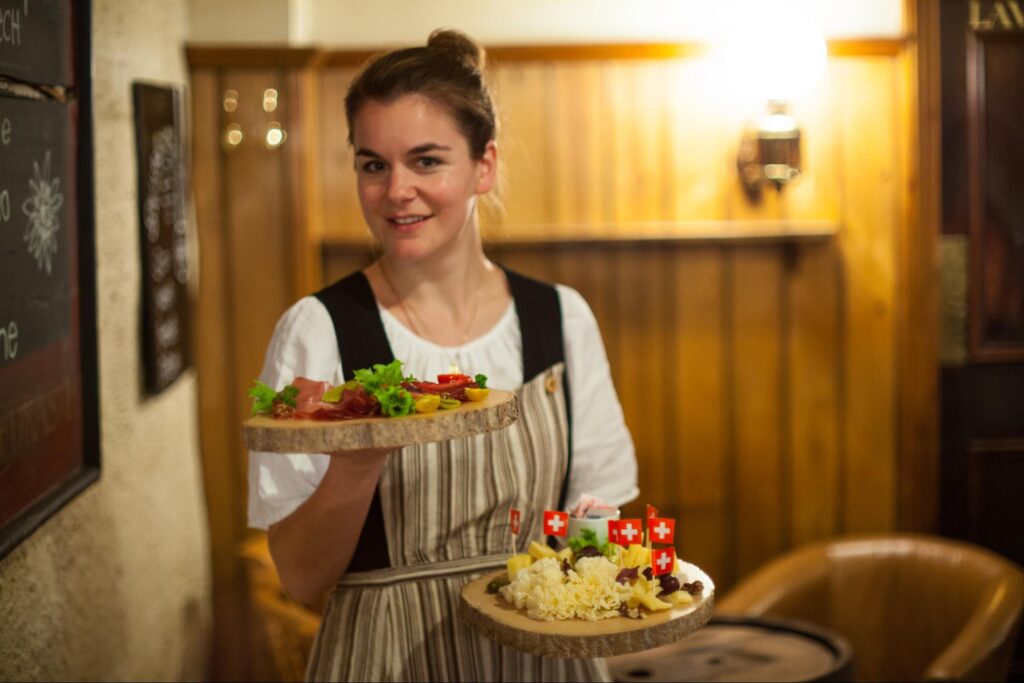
(304, 344)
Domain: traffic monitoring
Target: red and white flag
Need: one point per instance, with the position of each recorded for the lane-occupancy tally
(652, 512)
(630, 531)
(613, 531)
(513, 520)
(662, 530)
(556, 523)
(663, 561)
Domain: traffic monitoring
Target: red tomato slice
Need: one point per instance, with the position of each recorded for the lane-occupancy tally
(452, 377)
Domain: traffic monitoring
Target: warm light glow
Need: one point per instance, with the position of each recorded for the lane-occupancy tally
(269, 99)
(233, 135)
(775, 52)
(230, 100)
(275, 135)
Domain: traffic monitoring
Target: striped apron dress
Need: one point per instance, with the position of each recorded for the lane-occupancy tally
(439, 518)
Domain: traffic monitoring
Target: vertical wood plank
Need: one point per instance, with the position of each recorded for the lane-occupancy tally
(212, 344)
(697, 417)
(871, 215)
(813, 368)
(342, 218)
(521, 95)
(760, 497)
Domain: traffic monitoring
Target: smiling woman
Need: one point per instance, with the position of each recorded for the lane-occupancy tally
(422, 127)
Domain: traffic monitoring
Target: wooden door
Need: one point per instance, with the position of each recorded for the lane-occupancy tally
(983, 237)
(251, 191)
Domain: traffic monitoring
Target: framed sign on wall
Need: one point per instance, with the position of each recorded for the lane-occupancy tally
(49, 398)
(161, 185)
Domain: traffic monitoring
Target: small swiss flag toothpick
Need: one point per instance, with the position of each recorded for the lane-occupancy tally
(663, 561)
(556, 523)
(662, 530)
(513, 520)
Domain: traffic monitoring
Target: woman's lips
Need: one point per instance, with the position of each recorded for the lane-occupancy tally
(407, 223)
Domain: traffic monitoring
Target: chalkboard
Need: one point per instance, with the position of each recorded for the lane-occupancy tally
(49, 398)
(36, 41)
(161, 183)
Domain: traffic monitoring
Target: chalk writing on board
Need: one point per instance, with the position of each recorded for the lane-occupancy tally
(168, 262)
(42, 208)
(10, 24)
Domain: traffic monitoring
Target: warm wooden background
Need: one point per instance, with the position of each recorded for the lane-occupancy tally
(767, 356)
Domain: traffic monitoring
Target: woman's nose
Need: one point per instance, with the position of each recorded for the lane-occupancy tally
(400, 186)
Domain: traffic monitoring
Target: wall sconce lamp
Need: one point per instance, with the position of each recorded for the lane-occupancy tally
(769, 150)
(775, 56)
(272, 138)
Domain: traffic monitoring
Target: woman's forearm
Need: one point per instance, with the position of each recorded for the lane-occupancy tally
(313, 546)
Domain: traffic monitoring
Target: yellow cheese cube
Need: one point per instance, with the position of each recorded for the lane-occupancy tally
(517, 562)
(540, 551)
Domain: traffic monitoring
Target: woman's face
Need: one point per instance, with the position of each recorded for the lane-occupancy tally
(416, 179)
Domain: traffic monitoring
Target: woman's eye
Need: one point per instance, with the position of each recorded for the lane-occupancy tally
(428, 162)
(373, 166)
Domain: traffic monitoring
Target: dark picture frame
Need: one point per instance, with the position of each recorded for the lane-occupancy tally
(49, 379)
(995, 140)
(163, 234)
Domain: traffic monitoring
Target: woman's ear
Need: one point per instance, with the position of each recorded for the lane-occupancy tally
(488, 168)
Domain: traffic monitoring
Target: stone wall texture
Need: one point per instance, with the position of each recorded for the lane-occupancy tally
(117, 585)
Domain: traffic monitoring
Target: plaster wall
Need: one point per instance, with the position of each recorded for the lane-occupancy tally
(116, 586)
(356, 23)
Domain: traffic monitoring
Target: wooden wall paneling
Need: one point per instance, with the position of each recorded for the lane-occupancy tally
(212, 343)
(918, 383)
(631, 356)
(813, 371)
(697, 424)
(236, 656)
(524, 148)
(258, 242)
(813, 195)
(697, 149)
(341, 216)
(867, 245)
(578, 144)
(758, 492)
(299, 114)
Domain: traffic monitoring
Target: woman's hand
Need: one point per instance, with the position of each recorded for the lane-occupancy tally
(313, 546)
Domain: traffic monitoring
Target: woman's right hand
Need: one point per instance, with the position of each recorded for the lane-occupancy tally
(313, 546)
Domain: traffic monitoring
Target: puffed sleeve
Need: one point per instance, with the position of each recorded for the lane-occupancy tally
(304, 344)
(603, 458)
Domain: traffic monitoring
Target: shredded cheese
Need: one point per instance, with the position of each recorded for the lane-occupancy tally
(587, 592)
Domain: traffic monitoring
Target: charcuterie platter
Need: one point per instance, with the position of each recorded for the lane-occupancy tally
(268, 433)
(494, 617)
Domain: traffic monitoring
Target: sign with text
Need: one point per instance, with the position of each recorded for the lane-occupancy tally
(165, 318)
(49, 413)
(35, 41)
(36, 240)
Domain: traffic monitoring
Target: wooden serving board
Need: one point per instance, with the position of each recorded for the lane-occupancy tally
(499, 620)
(265, 433)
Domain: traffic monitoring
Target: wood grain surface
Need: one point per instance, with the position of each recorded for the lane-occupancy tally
(265, 433)
(497, 619)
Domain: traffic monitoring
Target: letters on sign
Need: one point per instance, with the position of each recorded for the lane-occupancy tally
(1005, 15)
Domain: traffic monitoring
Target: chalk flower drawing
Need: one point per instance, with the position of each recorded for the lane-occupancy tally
(42, 209)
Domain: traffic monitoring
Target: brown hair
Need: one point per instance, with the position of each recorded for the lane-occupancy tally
(448, 70)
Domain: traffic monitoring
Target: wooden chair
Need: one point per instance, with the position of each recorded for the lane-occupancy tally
(913, 607)
(289, 626)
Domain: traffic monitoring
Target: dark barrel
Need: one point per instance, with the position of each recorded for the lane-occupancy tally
(743, 649)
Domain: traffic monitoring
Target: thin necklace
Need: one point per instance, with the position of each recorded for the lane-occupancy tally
(412, 323)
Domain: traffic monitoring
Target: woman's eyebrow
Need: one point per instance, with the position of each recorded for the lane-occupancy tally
(418, 149)
(429, 147)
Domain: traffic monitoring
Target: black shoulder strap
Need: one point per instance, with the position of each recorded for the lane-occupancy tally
(540, 324)
(362, 342)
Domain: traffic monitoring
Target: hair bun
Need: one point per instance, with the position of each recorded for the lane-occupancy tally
(457, 44)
